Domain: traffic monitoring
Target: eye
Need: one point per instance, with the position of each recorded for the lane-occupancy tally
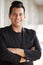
(20, 14)
(14, 14)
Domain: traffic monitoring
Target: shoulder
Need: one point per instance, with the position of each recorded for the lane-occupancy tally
(30, 31)
(4, 29)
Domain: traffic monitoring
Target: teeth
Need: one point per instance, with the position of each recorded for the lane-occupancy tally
(17, 21)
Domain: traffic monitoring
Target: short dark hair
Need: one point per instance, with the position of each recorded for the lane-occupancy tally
(17, 4)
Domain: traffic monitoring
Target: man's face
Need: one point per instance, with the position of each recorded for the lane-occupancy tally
(17, 16)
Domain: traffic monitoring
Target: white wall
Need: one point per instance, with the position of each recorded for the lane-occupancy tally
(40, 14)
(2, 13)
(6, 14)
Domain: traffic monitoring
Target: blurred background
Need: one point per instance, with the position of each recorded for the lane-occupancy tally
(34, 18)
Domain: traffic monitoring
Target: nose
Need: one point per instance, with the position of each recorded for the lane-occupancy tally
(17, 17)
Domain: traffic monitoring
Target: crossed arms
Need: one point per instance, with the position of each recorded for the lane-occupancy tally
(20, 52)
(16, 55)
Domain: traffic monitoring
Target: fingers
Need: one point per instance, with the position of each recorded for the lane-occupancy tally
(22, 60)
(33, 48)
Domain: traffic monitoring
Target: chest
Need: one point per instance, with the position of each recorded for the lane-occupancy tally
(16, 41)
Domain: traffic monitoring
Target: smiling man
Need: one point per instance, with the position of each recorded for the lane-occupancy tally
(18, 45)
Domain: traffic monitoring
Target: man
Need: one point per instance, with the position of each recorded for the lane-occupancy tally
(18, 45)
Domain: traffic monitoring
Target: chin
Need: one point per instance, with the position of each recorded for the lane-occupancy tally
(18, 25)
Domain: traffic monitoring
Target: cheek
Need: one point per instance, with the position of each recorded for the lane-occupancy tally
(12, 18)
(22, 18)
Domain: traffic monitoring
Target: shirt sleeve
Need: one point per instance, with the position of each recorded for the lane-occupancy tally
(6, 55)
(33, 55)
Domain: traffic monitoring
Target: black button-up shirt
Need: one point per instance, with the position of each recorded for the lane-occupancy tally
(24, 40)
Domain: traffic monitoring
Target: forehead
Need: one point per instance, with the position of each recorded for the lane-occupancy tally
(17, 10)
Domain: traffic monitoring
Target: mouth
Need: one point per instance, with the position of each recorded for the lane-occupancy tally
(17, 21)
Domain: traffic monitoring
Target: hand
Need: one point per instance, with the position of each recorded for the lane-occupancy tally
(33, 48)
(22, 60)
(17, 51)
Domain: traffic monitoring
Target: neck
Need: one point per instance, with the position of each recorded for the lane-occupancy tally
(17, 29)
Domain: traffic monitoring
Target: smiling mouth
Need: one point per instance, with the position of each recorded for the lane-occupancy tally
(17, 21)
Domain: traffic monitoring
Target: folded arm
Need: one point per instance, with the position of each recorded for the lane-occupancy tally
(20, 52)
(29, 54)
(6, 55)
